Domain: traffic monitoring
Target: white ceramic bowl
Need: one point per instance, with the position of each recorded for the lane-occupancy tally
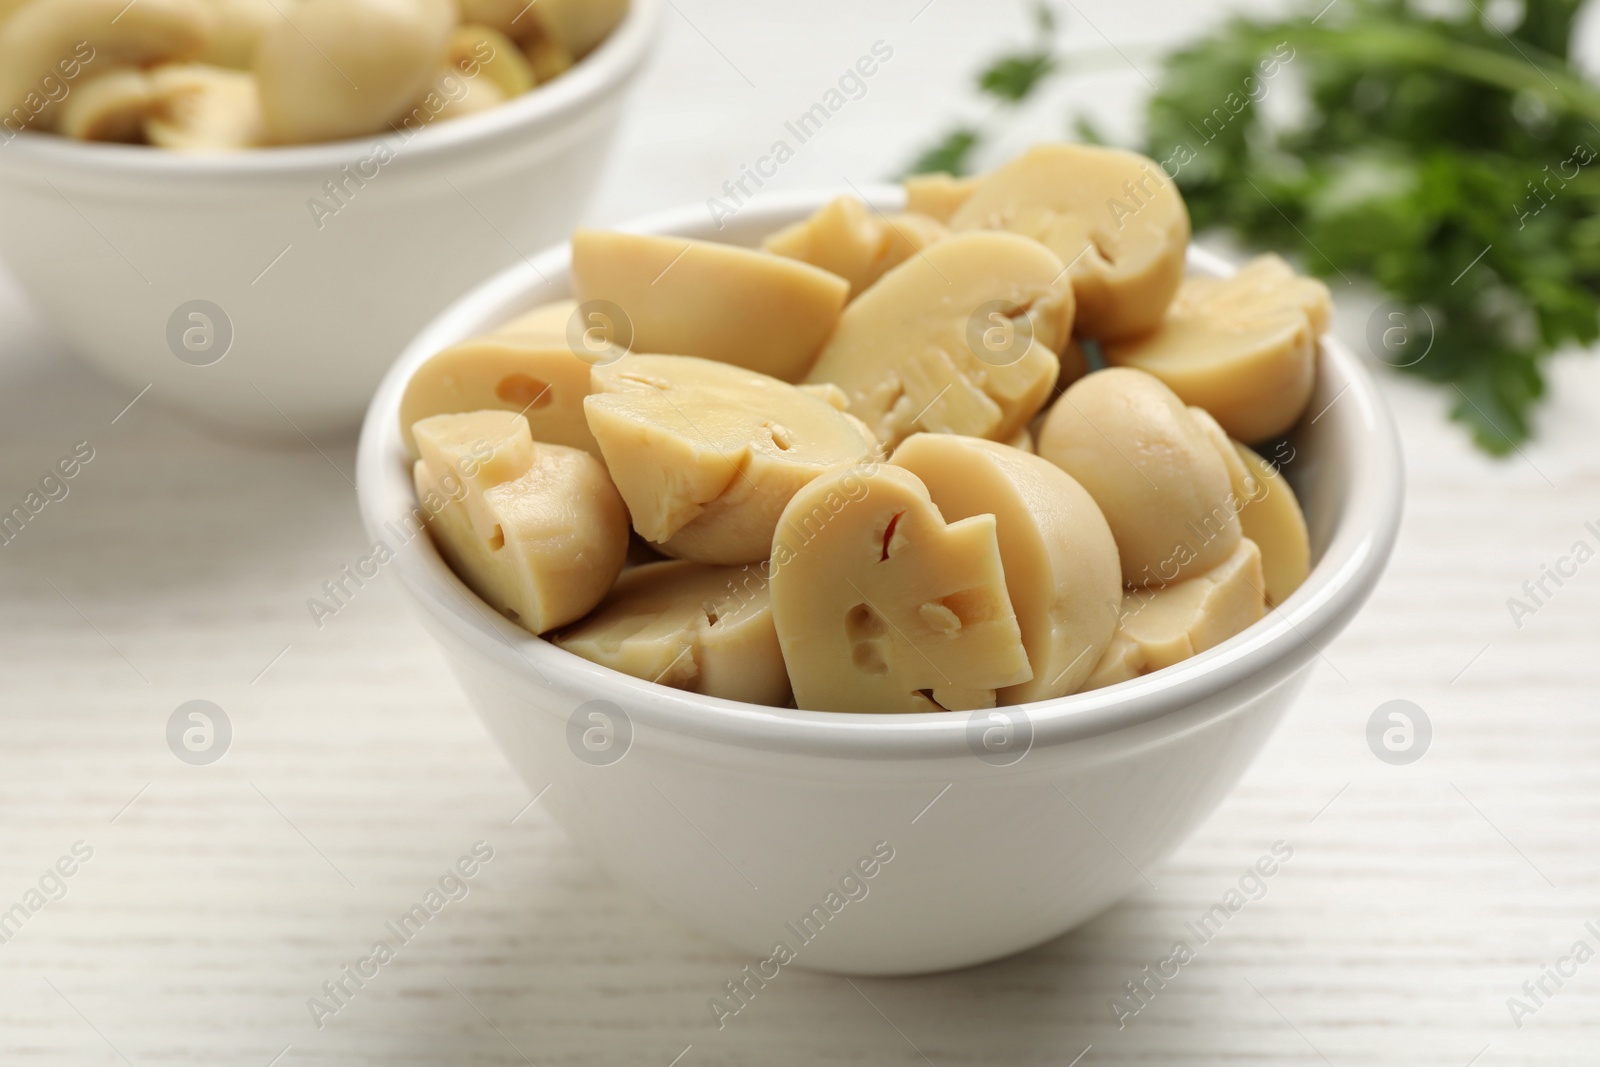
(114, 243)
(741, 819)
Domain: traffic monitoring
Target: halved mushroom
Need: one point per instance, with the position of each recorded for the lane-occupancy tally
(538, 378)
(959, 339)
(536, 530)
(691, 626)
(110, 106)
(478, 51)
(845, 238)
(1160, 627)
(1060, 560)
(1113, 217)
(548, 323)
(240, 24)
(1156, 475)
(881, 606)
(707, 454)
(1271, 517)
(1268, 512)
(48, 42)
(1243, 347)
(578, 26)
(696, 298)
(938, 196)
(342, 68)
(200, 108)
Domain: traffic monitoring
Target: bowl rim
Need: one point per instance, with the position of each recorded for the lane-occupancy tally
(608, 67)
(1266, 654)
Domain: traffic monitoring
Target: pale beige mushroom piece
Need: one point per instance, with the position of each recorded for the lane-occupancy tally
(846, 238)
(696, 298)
(1271, 517)
(514, 18)
(1060, 560)
(708, 454)
(199, 108)
(1242, 347)
(61, 39)
(331, 69)
(110, 106)
(536, 530)
(1022, 441)
(539, 379)
(578, 26)
(1268, 512)
(240, 24)
(883, 607)
(454, 95)
(477, 51)
(937, 196)
(1113, 216)
(959, 339)
(547, 57)
(691, 626)
(1156, 475)
(549, 322)
(1161, 627)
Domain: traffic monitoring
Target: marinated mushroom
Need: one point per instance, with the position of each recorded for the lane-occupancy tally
(845, 238)
(1271, 517)
(343, 68)
(937, 196)
(881, 606)
(110, 106)
(695, 298)
(240, 24)
(1113, 217)
(538, 378)
(1242, 347)
(688, 625)
(536, 530)
(708, 454)
(960, 339)
(199, 108)
(1060, 561)
(1156, 475)
(48, 41)
(1160, 627)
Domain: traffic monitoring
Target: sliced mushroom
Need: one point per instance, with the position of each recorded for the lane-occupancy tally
(240, 24)
(537, 530)
(1271, 517)
(484, 52)
(695, 298)
(707, 454)
(960, 339)
(343, 68)
(937, 196)
(200, 108)
(690, 626)
(1160, 627)
(1243, 347)
(843, 237)
(538, 378)
(881, 606)
(45, 44)
(110, 106)
(578, 26)
(547, 323)
(1113, 217)
(1156, 475)
(1061, 566)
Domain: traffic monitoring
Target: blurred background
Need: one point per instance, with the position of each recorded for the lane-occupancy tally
(1426, 903)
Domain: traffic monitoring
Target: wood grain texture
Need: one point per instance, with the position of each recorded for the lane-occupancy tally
(218, 899)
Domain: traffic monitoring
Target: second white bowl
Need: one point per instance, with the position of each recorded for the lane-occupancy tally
(265, 291)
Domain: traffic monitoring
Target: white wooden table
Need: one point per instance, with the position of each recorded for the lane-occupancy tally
(219, 898)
